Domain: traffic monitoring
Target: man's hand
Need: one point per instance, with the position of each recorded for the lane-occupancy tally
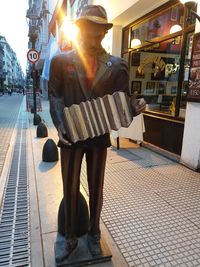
(139, 105)
(61, 133)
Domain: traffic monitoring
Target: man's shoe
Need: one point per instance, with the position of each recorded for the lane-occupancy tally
(70, 247)
(94, 245)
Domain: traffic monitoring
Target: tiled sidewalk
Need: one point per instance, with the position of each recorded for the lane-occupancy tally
(152, 209)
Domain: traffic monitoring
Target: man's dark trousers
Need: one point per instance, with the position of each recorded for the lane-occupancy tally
(71, 159)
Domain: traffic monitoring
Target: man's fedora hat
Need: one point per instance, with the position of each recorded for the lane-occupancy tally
(96, 14)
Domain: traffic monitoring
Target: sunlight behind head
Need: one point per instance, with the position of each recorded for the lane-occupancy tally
(70, 31)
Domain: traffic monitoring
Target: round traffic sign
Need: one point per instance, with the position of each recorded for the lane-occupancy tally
(33, 55)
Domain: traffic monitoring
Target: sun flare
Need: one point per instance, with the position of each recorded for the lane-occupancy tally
(70, 30)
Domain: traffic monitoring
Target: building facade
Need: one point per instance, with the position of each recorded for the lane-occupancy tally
(38, 16)
(1, 69)
(11, 75)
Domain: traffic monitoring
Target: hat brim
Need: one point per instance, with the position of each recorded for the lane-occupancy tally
(82, 19)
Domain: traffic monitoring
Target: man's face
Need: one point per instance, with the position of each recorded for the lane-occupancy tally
(92, 35)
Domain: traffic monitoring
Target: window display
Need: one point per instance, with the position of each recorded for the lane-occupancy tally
(155, 64)
(156, 70)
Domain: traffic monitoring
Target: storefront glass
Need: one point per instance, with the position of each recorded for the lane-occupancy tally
(156, 60)
(169, 21)
(154, 74)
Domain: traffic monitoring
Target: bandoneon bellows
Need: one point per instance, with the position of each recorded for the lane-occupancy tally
(97, 116)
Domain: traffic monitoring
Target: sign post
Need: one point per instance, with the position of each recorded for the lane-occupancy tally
(33, 56)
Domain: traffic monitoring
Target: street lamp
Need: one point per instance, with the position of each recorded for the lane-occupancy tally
(190, 6)
(33, 35)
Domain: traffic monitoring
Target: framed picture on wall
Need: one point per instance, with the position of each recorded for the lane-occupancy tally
(163, 69)
(174, 13)
(135, 59)
(150, 85)
(136, 87)
(140, 73)
(157, 73)
(161, 87)
(173, 90)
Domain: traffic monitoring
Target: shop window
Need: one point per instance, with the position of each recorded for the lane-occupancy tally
(169, 21)
(152, 47)
(154, 72)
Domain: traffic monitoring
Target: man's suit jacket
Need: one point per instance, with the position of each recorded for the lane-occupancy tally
(67, 85)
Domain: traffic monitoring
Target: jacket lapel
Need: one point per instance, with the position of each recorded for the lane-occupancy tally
(104, 64)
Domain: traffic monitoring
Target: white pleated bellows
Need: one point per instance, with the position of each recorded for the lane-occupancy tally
(98, 116)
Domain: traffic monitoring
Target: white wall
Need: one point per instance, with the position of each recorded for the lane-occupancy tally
(190, 154)
(112, 41)
(117, 40)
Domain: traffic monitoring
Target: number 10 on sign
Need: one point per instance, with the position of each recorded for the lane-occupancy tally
(33, 56)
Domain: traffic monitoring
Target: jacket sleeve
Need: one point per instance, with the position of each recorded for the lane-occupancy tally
(56, 97)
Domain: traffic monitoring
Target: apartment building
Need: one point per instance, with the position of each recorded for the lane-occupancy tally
(12, 77)
(1, 69)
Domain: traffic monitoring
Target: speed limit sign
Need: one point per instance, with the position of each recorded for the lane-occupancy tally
(33, 56)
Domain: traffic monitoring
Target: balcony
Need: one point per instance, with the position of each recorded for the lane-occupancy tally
(32, 13)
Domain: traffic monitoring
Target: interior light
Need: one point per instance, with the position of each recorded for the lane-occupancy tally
(175, 28)
(135, 42)
(190, 5)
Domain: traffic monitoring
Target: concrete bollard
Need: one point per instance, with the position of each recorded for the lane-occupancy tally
(50, 151)
(36, 119)
(82, 224)
(42, 130)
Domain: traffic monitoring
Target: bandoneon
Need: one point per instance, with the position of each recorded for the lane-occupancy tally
(97, 116)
